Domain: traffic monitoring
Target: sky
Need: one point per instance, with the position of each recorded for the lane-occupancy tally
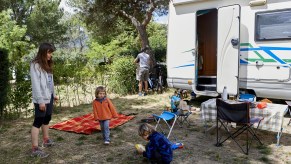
(162, 19)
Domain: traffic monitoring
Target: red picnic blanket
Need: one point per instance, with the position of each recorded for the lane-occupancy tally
(86, 123)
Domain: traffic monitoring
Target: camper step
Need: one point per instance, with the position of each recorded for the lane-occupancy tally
(206, 79)
(206, 87)
(206, 76)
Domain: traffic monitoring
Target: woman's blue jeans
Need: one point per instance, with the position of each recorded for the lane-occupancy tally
(104, 124)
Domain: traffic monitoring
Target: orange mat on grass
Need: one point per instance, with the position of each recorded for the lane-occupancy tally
(86, 123)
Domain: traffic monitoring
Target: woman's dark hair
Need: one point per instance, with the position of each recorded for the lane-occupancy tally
(41, 57)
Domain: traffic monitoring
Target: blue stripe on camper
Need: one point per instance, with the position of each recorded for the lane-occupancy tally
(187, 65)
(265, 48)
(189, 50)
(274, 56)
(269, 50)
(243, 61)
(276, 48)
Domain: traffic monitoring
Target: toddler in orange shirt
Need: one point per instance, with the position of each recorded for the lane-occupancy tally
(104, 111)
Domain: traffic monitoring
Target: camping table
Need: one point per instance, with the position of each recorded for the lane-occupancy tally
(273, 115)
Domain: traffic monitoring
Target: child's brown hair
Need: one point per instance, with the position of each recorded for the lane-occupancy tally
(99, 89)
(145, 129)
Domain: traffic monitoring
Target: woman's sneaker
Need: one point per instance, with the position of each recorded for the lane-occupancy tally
(106, 142)
(37, 152)
(48, 143)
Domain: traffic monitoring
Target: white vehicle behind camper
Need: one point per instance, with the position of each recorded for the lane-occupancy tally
(241, 44)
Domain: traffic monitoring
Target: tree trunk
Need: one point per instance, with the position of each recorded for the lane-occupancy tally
(145, 43)
(141, 28)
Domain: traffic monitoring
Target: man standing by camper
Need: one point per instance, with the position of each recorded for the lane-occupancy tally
(143, 74)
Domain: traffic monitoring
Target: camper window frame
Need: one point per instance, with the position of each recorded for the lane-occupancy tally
(257, 25)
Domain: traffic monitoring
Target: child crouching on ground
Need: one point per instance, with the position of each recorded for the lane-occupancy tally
(103, 110)
(158, 149)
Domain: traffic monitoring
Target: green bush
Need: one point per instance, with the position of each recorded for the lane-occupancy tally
(4, 80)
(122, 76)
(20, 94)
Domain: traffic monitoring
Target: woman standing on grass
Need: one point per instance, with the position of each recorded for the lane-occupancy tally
(42, 96)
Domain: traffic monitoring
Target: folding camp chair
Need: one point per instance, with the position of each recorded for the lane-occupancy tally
(180, 110)
(289, 108)
(238, 113)
(166, 117)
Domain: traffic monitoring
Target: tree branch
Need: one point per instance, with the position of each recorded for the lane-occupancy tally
(149, 13)
(132, 18)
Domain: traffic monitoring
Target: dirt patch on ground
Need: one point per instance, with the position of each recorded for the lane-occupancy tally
(78, 148)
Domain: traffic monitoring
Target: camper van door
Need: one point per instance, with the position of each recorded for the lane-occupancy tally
(228, 48)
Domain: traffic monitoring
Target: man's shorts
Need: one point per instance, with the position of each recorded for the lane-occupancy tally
(137, 74)
(143, 74)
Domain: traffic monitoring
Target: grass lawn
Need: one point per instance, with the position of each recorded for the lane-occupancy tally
(79, 148)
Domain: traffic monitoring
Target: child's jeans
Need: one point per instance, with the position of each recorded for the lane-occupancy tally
(157, 159)
(104, 124)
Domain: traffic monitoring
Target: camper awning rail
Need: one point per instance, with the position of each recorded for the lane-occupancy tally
(180, 2)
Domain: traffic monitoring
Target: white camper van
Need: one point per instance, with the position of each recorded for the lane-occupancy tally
(244, 45)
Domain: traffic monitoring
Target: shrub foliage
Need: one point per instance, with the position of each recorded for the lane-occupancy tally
(4, 80)
(123, 77)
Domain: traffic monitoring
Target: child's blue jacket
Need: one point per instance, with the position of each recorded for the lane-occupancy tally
(160, 144)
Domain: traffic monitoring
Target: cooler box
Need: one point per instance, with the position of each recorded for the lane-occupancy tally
(247, 97)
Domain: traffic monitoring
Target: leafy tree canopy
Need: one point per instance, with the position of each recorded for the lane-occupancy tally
(104, 16)
(127, 44)
(21, 9)
(44, 23)
(42, 18)
(158, 40)
(12, 36)
(77, 33)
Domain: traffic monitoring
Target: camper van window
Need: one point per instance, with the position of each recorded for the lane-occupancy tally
(273, 25)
